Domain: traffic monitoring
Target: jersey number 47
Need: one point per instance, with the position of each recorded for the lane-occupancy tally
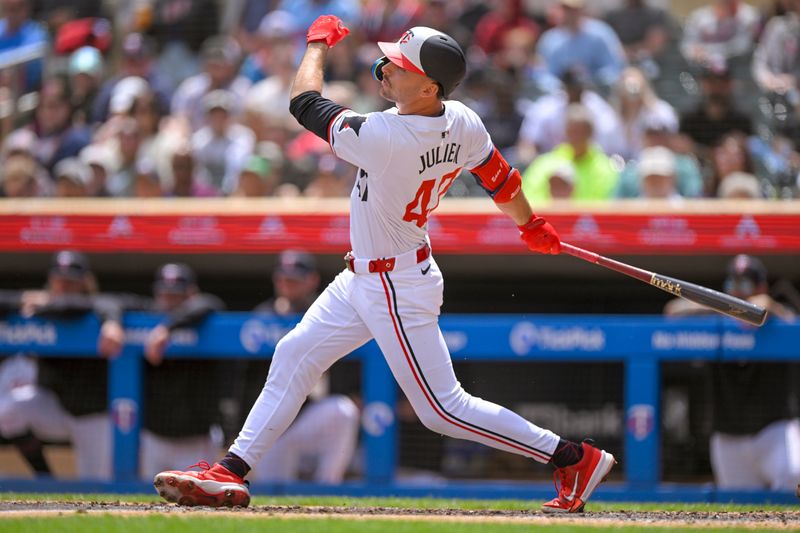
(419, 209)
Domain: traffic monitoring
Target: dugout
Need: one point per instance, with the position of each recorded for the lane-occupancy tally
(494, 277)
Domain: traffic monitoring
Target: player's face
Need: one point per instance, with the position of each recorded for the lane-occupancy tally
(295, 288)
(403, 86)
(742, 287)
(169, 300)
(60, 285)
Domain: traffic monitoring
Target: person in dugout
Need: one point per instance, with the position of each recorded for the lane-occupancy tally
(180, 421)
(64, 398)
(321, 442)
(755, 439)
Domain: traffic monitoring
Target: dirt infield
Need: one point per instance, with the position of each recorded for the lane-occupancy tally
(756, 519)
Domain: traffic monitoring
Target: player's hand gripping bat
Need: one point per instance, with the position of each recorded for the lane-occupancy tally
(718, 301)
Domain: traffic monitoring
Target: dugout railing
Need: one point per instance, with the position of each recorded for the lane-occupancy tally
(640, 343)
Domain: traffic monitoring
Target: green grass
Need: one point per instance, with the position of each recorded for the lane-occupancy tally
(112, 521)
(405, 503)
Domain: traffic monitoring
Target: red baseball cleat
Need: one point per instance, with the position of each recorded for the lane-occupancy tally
(578, 481)
(214, 486)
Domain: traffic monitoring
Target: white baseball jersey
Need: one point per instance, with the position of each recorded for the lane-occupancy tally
(406, 164)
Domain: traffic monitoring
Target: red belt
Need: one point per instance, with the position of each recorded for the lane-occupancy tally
(387, 264)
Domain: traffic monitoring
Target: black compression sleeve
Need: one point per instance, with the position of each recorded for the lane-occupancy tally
(314, 112)
(193, 310)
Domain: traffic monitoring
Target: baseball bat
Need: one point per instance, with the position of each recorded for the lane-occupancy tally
(718, 301)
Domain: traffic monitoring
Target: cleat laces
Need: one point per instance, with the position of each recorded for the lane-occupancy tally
(560, 481)
(203, 465)
(565, 484)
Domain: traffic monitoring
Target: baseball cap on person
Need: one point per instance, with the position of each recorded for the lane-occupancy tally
(656, 160)
(221, 48)
(99, 155)
(174, 278)
(138, 46)
(739, 185)
(428, 52)
(278, 24)
(125, 93)
(73, 169)
(86, 60)
(70, 264)
(258, 165)
(295, 264)
(745, 274)
(219, 99)
(747, 266)
(20, 141)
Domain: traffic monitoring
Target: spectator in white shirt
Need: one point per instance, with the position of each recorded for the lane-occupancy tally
(582, 42)
(221, 58)
(776, 62)
(637, 105)
(221, 148)
(543, 127)
(129, 142)
(657, 174)
(719, 32)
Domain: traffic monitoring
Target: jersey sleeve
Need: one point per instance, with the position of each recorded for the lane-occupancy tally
(363, 140)
(480, 144)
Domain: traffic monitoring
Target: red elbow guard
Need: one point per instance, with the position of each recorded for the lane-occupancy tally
(497, 177)
(509, 189)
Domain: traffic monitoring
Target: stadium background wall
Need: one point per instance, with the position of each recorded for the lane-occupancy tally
(488, 277)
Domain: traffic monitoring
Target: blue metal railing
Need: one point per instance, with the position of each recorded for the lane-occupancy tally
(640, 343)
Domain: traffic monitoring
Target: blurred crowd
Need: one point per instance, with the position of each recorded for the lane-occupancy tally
(590, 99)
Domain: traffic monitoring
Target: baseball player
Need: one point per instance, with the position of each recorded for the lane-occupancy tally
(391, 290)
(755, 439)
(70, 398)
(322, 440)
(184, 428)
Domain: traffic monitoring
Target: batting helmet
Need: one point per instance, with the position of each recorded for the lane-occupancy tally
(428, 52)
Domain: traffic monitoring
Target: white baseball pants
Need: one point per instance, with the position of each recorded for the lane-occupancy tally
(38, 410)
(93, 442)
(768, 459)
(34, 409)
(158, 453)
(322, 440)
(400, 310)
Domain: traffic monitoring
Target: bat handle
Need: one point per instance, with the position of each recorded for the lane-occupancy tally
(586, 255)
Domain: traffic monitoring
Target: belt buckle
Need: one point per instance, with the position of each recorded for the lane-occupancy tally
(382, 265)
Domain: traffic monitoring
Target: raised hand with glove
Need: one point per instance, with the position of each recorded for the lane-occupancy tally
(540, 236)
(328, 29)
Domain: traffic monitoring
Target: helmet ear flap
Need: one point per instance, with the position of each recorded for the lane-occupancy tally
(377, 68)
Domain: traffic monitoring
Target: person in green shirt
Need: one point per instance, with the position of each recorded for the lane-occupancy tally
(595, 175)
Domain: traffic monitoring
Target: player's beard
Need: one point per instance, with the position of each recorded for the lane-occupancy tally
(386, 92)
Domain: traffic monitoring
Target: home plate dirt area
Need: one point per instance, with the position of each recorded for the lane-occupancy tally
(789, 519)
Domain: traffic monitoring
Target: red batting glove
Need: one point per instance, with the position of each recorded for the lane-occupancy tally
(540, 236)
(327, 28)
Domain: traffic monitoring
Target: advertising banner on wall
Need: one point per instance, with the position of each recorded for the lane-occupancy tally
(457, 233)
